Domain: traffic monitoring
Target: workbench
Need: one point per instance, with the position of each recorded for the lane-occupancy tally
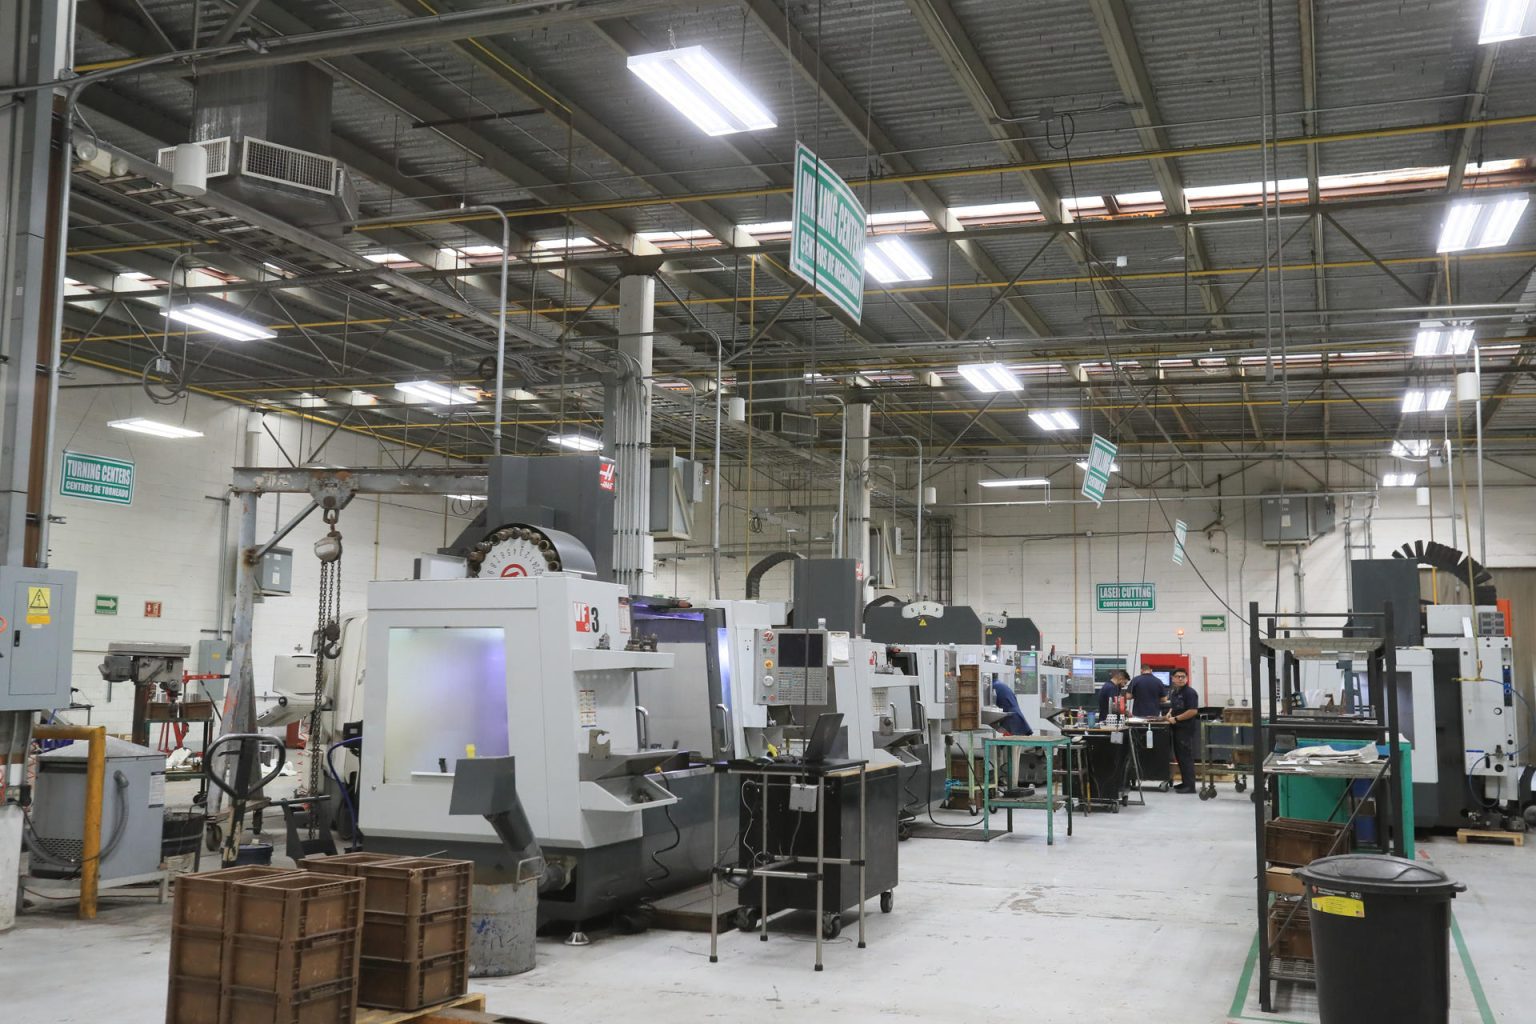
(808, 868)
(1050, 745)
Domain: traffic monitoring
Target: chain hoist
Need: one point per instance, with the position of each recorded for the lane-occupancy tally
(326, 643)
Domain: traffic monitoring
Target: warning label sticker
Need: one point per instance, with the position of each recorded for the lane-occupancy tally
(39, 606)
(1343, 906)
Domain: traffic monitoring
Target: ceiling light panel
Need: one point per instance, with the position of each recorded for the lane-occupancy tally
(701, 88)
(1507, 19)
(154, 428)
(433, 393)
(206, 318)
(990, 378)
(1030, 481)
(1436, 338)
(1054, 419)
(576, 442)
(891, 259)
(1399, 479)
(1481, 223)
(1413, 448)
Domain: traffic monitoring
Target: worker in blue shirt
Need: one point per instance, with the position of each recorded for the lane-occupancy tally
(1119, 679)
(1147, 693)
(1013, 722)
(1184, 714)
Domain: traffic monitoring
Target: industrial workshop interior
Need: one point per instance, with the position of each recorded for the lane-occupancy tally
(568, 511)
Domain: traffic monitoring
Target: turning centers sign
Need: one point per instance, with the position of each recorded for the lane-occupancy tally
(96, 478)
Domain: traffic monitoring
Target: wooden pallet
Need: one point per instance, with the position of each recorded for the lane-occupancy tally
(425, 1015)
(1478, 835)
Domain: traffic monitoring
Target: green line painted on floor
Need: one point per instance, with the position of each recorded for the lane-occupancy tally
(1240, 997)
(1483, 1009)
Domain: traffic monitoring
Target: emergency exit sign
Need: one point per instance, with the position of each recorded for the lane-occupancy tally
(1213, 623)
(1127, 597)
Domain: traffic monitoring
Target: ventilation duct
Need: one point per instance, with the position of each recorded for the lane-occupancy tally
(267, 136)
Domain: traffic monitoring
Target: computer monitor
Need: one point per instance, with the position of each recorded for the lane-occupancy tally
(823, 734)
(1164, 676)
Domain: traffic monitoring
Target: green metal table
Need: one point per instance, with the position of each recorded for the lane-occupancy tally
(1050, 745)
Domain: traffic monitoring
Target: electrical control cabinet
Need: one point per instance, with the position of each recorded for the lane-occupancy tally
(790, 666)
(37, 608)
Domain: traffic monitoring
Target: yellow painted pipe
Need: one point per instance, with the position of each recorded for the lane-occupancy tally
(95, 783)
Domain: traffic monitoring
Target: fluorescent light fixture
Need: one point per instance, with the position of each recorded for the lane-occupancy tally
(433, 393)
(891, 259)
(1436, 338)
(1485, 223)
(140, 425)
(1114, 467)
(205, 317)
(386, 257)
(465, 497)
(579, 242)
(1027, 481)
(1399, 479)
(990, 378)
(354, 398)
(1507, 19)
(702, 89)
(1054, 419)
(1433, 400)
(309, 400)
(576, 442)
(1414, 448)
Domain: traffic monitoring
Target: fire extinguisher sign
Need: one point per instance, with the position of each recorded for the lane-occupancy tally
(586, 618)
(608, 475)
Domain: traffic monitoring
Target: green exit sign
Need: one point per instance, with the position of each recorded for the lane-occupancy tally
(1213, 623)
(106, 604)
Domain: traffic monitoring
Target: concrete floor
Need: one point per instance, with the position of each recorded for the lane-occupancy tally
(1144, 916)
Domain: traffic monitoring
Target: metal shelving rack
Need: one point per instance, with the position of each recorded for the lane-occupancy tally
(1278, 645)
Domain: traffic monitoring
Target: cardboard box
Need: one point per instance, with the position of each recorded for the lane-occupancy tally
(1283, 881)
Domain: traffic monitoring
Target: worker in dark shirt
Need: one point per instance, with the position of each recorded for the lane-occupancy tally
(1119, 679)
(1184, 714)
(1013, 722)
(1147, 693)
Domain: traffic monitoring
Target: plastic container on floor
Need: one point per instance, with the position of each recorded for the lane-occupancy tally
(415, 936)
(298, 906)
(1380, 934)
(279, 965)
(410, 985)
(334, 1004)
(199, 899)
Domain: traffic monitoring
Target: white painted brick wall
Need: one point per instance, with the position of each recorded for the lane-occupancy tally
(166, 546)
(1040, 561)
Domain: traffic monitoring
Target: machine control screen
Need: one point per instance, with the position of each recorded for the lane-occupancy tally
(789, 666)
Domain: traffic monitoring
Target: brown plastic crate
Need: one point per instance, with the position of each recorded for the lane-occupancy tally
(1297, 842)
(196, 952)
(417, 885)
(192, 1001)
(1292, 941)
(335, 1004)
(346, 863)
(392, 985)
(1237, 716)
(297, 906)
(200, 898)
(415, 936)
(277, 965)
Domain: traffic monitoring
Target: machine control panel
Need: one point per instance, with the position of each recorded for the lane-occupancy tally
(790, 666)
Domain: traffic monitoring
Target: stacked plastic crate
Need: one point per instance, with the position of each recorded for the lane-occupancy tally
(415, 949)
(258, 945)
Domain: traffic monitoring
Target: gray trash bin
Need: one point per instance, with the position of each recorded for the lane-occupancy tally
(1380, 938)
(503, 923)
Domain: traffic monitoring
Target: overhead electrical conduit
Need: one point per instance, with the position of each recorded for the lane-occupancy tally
(757, 572)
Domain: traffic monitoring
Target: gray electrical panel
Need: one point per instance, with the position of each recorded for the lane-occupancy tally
(1295, 519)
(276, 573)
(37, 607)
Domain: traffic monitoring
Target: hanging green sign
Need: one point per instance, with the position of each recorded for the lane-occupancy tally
(96, 478)
(826, 239)
(1127, 597)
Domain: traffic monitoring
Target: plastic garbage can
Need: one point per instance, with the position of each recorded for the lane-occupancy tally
(1380, 938)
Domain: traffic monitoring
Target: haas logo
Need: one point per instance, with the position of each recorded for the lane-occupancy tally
(586, 618)
(607, 476)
